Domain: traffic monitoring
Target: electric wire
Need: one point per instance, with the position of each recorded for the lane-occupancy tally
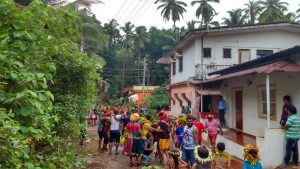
(135, 7)
(138, 11)
(138, 16)
(120, 9)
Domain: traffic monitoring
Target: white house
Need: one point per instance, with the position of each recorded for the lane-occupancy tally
(203, 51)
(254, 92)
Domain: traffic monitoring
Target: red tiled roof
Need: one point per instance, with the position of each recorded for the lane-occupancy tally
(280, 66)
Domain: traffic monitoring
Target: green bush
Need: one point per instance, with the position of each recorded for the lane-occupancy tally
(46, 86)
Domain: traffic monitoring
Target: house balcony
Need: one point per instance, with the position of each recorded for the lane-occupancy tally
(208, 68)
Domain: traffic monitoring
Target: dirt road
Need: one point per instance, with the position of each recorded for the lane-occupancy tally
(98, 160)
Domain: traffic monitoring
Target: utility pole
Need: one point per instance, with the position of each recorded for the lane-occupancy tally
(144, 78)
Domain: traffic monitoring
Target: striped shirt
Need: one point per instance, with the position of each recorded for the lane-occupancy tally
(293, 124)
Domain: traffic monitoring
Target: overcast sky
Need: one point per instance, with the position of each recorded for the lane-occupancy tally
(143, 12)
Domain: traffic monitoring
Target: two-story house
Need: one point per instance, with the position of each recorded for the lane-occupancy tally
(203, 51)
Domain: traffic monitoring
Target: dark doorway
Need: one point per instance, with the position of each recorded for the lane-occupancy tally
(239, 109)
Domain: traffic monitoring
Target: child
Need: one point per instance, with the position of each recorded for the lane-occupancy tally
(211, 125)
(148, 149)
(251, 158)
(221, 159)
(179, 134)
(175, 161)
(203, 158)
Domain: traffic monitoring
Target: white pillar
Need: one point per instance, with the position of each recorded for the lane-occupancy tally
(268, 100)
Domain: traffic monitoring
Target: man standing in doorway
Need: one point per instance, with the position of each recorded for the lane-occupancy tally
(222, 107)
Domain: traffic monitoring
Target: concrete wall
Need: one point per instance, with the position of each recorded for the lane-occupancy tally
(188, 66)
(285, 84)
(269, 146)
(190, 93)
(271, 40)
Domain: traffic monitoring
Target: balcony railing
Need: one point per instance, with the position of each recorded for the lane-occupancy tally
(208, 68)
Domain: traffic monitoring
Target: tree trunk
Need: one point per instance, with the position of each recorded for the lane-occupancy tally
(81, 45)
(139, 62)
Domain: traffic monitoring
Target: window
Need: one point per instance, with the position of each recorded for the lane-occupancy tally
(226, 53)
(174, 67)
(207, 52)
(189, 103)
(263, 53)
(173, 101)
(180, 103)
(180, 64)
(262, 102)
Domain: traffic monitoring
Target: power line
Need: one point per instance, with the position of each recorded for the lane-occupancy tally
(123, 13)
(135, 7)
(139, 15)
(138, 11)
(126, 9)
(120, 9)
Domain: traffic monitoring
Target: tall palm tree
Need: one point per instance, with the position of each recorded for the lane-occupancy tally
(190, 25)
(252, 10)
(205, 10)
(272, 10)
(173, 9)
(291, 17)
(139, 39)
(236, 17)
(112, 31)
(298, 12)
(128, 30)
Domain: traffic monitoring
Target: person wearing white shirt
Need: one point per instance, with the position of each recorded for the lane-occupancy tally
(114, 136)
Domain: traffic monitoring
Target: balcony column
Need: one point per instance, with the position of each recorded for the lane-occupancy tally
(268, 100)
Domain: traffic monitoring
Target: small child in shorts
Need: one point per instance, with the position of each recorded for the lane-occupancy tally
(148, 149)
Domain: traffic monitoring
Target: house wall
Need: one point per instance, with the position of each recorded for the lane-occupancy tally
(285, 84)
(271, 40)
(190, 93)
(188, 65)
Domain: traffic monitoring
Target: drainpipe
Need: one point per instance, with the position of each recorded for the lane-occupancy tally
(268, 100)
(202, 69)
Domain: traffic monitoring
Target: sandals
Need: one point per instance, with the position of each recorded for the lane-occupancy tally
(137, 164)
(131, 165)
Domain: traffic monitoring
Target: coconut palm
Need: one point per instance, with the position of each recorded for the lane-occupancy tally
(128, 30)
(139, 39)
(236, 17)
(173, 9)
(190, 25)
(291, 17)
(112, 31)
(252, 10)
(92, 32)
(272, 10)
(205, 10)
(298, 12)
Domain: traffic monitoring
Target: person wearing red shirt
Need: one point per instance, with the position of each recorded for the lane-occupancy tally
(200, 127)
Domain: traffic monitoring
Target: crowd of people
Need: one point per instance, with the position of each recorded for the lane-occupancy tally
(177, 143)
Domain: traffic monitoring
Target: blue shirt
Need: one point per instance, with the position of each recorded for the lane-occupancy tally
(222, 105)
(247, 165)
(179, 131)
(100, 123)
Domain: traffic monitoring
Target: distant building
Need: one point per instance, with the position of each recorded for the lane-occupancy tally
(138, 90)
(202, 51)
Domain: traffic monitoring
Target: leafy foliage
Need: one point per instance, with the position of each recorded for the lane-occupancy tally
(159, 98)
(46, 86)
